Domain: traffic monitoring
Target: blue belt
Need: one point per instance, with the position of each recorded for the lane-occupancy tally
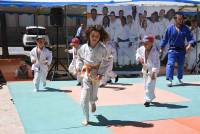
(121, 40)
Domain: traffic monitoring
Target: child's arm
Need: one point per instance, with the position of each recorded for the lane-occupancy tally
(49, 57)
(139, 57)
(69, 51)
(33, 58)
(155, 61)
(105, 62)
(79, 62)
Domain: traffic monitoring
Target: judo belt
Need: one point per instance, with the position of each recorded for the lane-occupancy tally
(121, 40)
(177, 48)
(146, 73)
(91, 71)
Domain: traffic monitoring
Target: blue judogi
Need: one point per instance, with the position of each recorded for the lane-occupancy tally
(176, 40)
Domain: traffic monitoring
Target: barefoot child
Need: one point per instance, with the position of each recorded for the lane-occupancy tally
(75, 43)
(92, 57)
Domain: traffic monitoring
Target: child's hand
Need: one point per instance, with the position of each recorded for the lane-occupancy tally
(66, 50)
(99, 77)
(188, 48)
(141, 60)
(78, 70)
(33, 61)
(46, 62)
(153, 76)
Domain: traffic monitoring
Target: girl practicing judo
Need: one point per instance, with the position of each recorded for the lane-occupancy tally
(92, 57)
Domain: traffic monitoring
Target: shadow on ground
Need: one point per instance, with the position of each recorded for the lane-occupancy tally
(167, 105)
(103, 121)
(186, 84)
(50, 89)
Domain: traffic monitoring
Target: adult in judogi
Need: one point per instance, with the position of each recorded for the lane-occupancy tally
(111, 50)
(193, 54)
(123, 41)
(134, 14)
(144, 30)
(106, 25)
(170, 17)
(121, 14)
(129, 19)
(104, 13)
(109, 30)
(148, 56)
(94, 19)
(92, 57)
(114, 26)
(163, 24)
(175, 36)
(155, 29)
(41, 58)
(133, 36)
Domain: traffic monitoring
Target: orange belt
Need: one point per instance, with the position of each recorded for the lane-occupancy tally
(89, 68)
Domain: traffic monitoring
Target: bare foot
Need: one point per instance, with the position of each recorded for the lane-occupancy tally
(84, 122)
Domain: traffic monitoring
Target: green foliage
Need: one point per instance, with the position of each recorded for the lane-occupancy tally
(133, 67)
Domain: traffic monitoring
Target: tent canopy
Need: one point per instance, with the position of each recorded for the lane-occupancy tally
(49, 3)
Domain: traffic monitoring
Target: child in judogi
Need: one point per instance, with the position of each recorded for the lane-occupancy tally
(41, 58)
(111, 52)
(75, 44)
(92, 58)
(148, 56)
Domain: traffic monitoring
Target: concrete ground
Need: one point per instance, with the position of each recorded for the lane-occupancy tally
(10, 122)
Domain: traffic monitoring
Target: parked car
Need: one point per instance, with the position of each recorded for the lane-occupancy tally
(30, 36)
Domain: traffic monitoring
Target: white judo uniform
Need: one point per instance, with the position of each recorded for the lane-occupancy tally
(40, 68)
(114, 25)
(125, 54)
(73, 66)
(134, 31)
(156, 31)
(163, 24)
(193, 54)
(111, 44)
(93, 62)
(151, 64)
(111, 52)
(97, 21)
